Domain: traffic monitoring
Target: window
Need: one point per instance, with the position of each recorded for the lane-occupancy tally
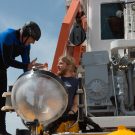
(112, 21)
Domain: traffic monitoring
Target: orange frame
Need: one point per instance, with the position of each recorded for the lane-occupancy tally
(65, 31)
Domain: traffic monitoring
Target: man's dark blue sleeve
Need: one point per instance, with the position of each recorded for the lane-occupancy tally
(8, 59)
(26, 57)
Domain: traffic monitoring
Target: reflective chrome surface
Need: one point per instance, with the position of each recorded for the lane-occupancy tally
(39, 95)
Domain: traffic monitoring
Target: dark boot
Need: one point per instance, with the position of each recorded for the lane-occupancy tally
(5, 133)
(3, 88)
(3, 124)
(2, 121)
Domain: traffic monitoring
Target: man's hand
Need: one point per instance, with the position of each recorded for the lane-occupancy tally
(39, 65)
(33, 64)
(42, 66)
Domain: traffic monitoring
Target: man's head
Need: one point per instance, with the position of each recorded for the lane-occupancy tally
(30, 31)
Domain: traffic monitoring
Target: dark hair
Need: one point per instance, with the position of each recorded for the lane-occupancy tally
(31, 29)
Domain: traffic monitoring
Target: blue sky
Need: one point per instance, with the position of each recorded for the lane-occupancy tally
(49, 14)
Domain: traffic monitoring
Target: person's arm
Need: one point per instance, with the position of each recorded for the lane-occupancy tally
(8, 58)
(74, 108)
(26, 57)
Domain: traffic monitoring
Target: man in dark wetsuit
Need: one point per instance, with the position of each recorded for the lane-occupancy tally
(12, 44)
